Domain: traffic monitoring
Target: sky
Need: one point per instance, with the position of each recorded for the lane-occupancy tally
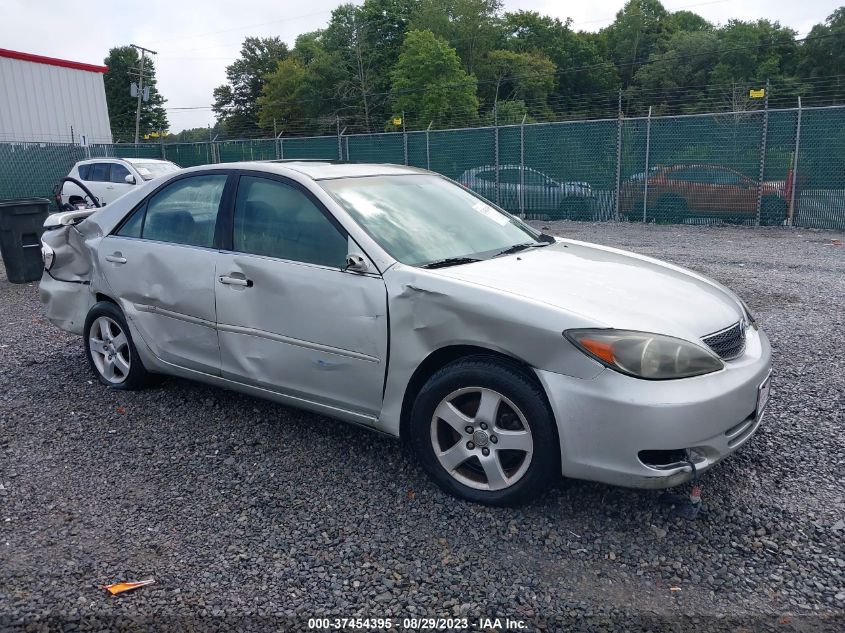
(196, 39)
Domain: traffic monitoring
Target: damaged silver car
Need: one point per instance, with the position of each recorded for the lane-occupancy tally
(396, 299)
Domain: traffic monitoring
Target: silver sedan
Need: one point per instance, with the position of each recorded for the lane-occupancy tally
(396, 299)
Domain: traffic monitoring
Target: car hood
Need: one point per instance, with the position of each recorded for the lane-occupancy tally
(608, 287)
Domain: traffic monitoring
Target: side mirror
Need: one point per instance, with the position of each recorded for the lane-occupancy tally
(356, 263)
(129, 179)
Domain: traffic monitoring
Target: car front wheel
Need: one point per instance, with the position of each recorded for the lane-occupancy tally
(482, 429)
(110, 350)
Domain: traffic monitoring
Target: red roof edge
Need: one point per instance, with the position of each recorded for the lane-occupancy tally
(52, 61)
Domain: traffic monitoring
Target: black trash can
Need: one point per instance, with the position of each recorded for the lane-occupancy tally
(21, 226)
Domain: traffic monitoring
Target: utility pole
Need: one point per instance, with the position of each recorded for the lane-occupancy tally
(140, 87)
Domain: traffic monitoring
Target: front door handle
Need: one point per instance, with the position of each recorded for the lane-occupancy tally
(116, 258)
(235, 281)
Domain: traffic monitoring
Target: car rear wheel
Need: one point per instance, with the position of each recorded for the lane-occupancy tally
(772, 210)
(110, 350)
(669, 207)
(483, 430)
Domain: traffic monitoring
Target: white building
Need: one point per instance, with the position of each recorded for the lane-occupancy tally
(48, 100)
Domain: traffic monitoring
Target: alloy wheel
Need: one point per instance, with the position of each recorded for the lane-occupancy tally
(109, 349)
(481, 438)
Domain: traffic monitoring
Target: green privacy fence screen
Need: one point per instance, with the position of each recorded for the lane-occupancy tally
(760, 167)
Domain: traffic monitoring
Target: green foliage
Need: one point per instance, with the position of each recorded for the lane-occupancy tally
(571, 53)
(636, 33)
(430, 85)
(372, 60)
(123, 63)
(471, 27)
(236, 102)
(525, 76)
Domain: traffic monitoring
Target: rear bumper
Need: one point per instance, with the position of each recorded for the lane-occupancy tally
(605, 424)
(66, 303)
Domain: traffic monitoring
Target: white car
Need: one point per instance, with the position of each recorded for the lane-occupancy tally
(396, 299)
(110, 178)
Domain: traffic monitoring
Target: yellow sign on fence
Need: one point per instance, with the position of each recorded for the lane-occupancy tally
(397, 120)
(759, 93)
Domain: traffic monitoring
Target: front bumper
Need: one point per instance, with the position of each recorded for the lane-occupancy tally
(606, 423)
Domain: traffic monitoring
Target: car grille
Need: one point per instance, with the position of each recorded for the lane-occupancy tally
(728, 343)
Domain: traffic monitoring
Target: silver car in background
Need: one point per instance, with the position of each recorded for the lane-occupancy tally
(393, 298)
(540, 195)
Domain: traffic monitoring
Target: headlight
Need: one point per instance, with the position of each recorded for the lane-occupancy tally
(47, 255)
(645, 355)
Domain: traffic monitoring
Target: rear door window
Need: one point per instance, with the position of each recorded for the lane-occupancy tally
(184, 212)
(99, 172)
(84, 171)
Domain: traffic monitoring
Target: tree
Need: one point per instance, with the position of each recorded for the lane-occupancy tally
(636, 33)
(471, 27)
(823, 55)
(236, 102)
(346, 37)
(584, 77)
(676, 77)
(512, 76)
(430, 85)
(123, 63)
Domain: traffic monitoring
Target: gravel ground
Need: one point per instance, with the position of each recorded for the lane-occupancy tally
(256, 516)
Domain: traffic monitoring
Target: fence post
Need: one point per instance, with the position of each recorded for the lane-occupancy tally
(645, 170)
(618, 155)
(339, 147)
(404, 139)
(496, 146)
(427, 149)
(346, 144)
(163, 151)
(522, 167)
(280, 148)
(762, 156)
(794, 183)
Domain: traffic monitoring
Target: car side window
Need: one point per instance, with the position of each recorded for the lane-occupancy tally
(509, 176)
(99, 172)
(535, 179)
(185, 211)
(277, 220)
(119, 173)
(84, 171)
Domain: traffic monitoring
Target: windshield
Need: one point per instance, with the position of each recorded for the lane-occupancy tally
(420, 219)
(149, 171)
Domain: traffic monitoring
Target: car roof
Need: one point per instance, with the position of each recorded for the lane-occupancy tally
(318, 169)
(323, 169)
(100, 159)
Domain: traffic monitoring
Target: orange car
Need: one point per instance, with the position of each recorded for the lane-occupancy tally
(711, 191)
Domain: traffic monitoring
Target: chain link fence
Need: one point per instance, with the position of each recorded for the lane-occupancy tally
(764, 167)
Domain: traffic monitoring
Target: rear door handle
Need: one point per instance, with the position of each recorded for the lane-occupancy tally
(116, 258)
(235, 281)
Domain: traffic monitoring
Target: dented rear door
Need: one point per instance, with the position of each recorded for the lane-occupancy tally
(159, 265)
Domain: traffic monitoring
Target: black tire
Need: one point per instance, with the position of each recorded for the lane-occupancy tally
(520, 389)
(579, 209)
(772, 210)
(670, 207)
(137, 376)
